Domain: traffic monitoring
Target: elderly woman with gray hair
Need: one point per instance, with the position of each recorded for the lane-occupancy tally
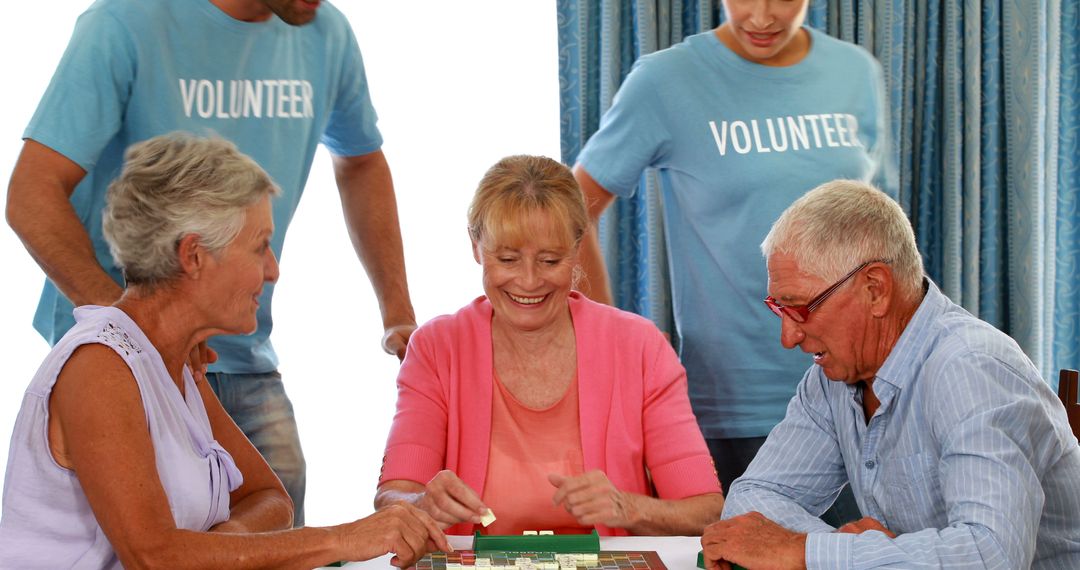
(120, 456)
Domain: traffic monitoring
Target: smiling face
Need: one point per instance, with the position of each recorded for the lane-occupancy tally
(236, 275)
(838, 333)
(766, 32)
(528, 280)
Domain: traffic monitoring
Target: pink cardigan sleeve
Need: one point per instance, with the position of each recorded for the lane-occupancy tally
(675, 452)
(416, 446)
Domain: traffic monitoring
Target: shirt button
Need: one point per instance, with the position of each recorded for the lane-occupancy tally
(869, 464)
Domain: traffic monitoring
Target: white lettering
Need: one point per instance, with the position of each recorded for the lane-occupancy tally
(841, 130)
(270, 84)
(282, 98)
(205, 99)
(828, 130)
(813, 123)
(757, 137)
(798, 132)
(721, 139)
(221, 114)
(772, 135)
(853, 128)
(309, 108)
(253, 99)
(236, 98)
(187, 95)
(740, 148)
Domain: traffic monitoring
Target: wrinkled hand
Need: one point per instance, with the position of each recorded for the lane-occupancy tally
(592, 499)
(199, 359)
(864, 524)
(396, 339)
(752, 541)
(402, 529)
(450, 501)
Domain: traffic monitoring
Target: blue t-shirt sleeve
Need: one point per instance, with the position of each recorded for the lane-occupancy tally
(83, 107)
(632, 135)
(886, 177)
(351, 129)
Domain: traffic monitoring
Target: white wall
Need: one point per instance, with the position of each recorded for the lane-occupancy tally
(457, 86)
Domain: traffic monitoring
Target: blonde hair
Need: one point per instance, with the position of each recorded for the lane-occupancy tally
(842, 223)
(516, 188)
(171, 186)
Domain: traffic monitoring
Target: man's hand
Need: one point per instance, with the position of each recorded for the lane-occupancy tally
(450, 501)
(592, 499)
(864, 524)
(403, 529)
(199, 359)
(396, 338)
(752, 541)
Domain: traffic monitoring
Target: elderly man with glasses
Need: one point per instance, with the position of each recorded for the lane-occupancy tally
(958, 453)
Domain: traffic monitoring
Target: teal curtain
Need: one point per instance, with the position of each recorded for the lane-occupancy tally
(984, 106)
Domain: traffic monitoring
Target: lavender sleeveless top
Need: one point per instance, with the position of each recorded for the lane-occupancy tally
(46, 521)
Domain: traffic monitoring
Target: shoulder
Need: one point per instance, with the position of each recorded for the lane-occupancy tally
(331, 22)
(971, 357)
(604, 322)
(837, 52)
(672, 63)
(129, 12)
(467, 323)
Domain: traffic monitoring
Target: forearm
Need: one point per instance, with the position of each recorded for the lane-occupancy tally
(595, 282)
(957, 546)
(401, 492)
(262, 511)
(302, 548)
(748, 496)
(370, 208)
(40, 213)
(681, 517)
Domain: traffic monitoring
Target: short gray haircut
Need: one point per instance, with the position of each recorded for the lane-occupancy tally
(833, 228)
(174, 185)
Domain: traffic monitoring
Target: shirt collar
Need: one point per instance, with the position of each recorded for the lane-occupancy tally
(902, 365)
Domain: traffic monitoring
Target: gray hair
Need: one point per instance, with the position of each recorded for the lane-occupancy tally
(840, 224)
(174, 185)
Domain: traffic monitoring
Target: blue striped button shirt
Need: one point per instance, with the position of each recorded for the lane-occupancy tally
(969, 459)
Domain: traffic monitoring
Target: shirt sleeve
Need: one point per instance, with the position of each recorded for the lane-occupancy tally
(886, 177)
(632, 136)
(83, 107)
(799, 471)
(675, 451)
(351, 129)
(416, 445)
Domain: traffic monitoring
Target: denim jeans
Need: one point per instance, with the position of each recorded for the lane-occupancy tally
(259, 406)
(733, 456)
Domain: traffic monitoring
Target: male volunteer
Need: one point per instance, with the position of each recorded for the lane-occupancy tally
(276, 77)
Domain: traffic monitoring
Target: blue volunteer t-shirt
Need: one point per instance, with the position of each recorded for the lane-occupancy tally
(735, 143)
(136, 69)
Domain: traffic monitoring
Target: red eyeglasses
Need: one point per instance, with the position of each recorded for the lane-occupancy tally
(800, 313)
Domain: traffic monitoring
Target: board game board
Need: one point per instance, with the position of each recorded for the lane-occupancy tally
(503, 560)
(540, 552)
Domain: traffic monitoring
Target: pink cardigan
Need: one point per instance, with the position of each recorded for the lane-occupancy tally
(636, 421)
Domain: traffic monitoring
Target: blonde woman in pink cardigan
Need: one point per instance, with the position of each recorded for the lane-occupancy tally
(551, 410)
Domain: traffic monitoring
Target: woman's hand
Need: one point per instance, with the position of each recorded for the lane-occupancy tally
(403, 529)
(450, 501)
(201, 357)
(592, 499)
